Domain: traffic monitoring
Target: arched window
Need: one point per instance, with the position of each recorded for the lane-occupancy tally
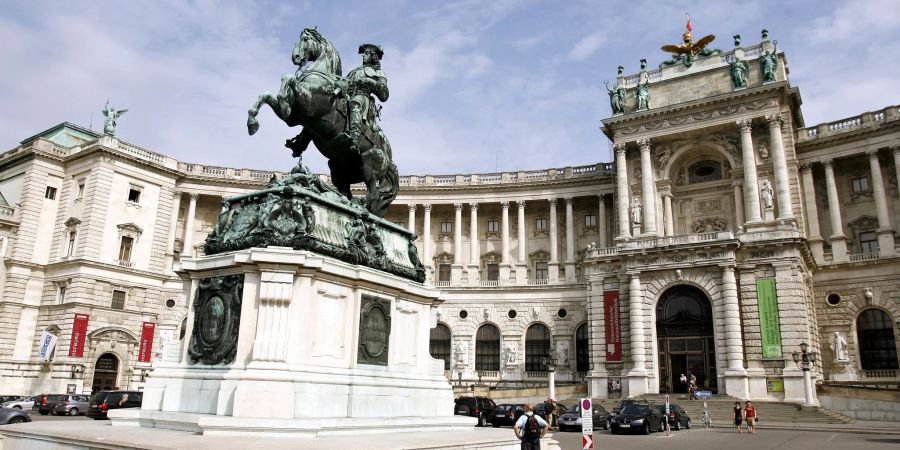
(439, 344)
(875, 336)
(703, 171)
(582, 363)
(537, 348)
(487, 348)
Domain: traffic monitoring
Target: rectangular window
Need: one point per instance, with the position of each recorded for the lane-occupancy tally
(493, 272)
(70, 248)
(134, 195)
(118, 300)
(493, 226)
(62, 295)
(50, 193)
(80, 188)
(446, 227)
(125, 248)
(590, 221)
(868, 242)
(444, 272)
(860, 184)
(540, 224)
(540, 271)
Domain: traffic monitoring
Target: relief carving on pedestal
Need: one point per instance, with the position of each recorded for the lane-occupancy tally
(374, 331)
(217, 318)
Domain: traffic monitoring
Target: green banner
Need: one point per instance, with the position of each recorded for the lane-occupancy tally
(769, 325)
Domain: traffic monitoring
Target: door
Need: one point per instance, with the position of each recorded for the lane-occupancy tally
(106, 373)
(679, 365)
(686, 345)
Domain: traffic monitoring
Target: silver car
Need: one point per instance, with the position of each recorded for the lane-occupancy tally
(72, 405)
(22, 403)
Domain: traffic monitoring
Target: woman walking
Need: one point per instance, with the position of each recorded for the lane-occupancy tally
(738, 416)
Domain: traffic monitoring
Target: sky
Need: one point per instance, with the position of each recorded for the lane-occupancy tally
(476, 86)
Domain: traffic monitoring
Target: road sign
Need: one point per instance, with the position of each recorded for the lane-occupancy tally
(703, 394)
(668, 411)
(587, 442)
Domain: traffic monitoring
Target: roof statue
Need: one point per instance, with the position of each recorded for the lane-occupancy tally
(688, 51)
(109, 125)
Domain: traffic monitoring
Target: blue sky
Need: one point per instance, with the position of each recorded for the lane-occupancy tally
(476, 86)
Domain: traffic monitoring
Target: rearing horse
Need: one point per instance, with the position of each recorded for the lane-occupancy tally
(316, 99)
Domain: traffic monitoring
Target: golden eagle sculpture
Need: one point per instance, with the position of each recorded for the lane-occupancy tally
(688, 49)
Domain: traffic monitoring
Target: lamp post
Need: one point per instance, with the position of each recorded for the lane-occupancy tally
(804, 360)
(550, 364)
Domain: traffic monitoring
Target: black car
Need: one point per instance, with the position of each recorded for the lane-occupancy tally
(639, 418)
(622, 404)
(480, 407)
(103, 401)
(9, 416)
(506, 414)
(678, 417)
(542, 410)
(572, 419)
(48, 402)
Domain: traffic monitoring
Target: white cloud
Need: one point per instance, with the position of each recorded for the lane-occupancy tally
(586, 46)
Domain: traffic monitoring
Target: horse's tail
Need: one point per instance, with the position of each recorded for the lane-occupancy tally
(388, 188)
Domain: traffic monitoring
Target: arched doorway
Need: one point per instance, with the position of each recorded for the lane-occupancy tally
(439, 344)
(487, 348)
(537, 348)
(684, 331)
(106, 373)
(582, 362)
(875, 335)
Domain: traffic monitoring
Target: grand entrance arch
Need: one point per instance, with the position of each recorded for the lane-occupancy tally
(106, 373)
(684, 331)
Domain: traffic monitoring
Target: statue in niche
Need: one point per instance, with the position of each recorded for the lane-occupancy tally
(840, 348)
(511, 354)
(763, 151)
(768, 62)
(636, 211)
(562, 355)
(767, 195)
(616, 98)
(739, 71)
(462, 353)
(662, 156)
(642, 96)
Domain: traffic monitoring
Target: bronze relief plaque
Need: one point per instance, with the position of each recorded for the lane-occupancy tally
(217, 318)
(374, 331)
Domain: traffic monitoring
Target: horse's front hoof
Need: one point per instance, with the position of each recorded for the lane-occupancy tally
(252, 126)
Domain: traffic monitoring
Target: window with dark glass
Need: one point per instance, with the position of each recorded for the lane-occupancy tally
(859, 185)
(125, 248)
(118, 300)
(590, 221)
(487, 348)
(582, 364)
(444, 272)
(134, 195)
(537, 348)
(50, 193)
(70, 248)
(540, 224)
(62, 295)
(875, 335)
(446, 227)
(868, 242)
(493, 226)
(439, 344)
(540, 271)
(493, 272)
(704, 171)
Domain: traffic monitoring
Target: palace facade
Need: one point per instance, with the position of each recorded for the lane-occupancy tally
(725, 234)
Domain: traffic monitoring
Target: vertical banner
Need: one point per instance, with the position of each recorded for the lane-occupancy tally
(613, 326)
(769, 324)
(79, 334)
(46, 346)
(146, 348)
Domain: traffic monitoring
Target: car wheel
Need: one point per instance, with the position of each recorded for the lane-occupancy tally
(482, 421)
(662, 426)
(646, 428)
(678, 425)
(73, 412)
(688, 424)
(15, 420)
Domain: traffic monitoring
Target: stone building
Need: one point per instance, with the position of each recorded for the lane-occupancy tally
(724, 235)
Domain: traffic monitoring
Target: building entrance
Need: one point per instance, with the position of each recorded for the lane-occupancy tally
(106, 373)
(684, 330)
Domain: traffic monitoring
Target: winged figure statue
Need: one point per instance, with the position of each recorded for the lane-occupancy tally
(688, 50)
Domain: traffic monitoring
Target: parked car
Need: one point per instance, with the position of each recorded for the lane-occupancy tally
(541, 410)
(637, 417)
(678, 417)
(48, 402)
(480, 407)
(72, 405)
(8, 398)
(9, 416)
(22, 403)
(572, 419)
(507, 414)
(104, 401)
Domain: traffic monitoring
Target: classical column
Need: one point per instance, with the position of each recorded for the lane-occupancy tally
(553, 264)
(622, 194)
(570, 241)
(521, 267)
(812, 214)
(173, 226)
(885, 230)
(188, 249)
(647, 189)
(637, 377)
(456, 268)
(751, 185)
(426, 239)
(779, 163)
(504, 238)
(735, 375)
(896, 150)
(474, 269)
(411, 221)
(667, 213)
(838, 240)
(738, 205)
(601, 222)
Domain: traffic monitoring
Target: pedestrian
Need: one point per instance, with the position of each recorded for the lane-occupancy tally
(552, 412)
(530, 428)
(683, 380)
(693, 386)
(750, 416)
(738, 416)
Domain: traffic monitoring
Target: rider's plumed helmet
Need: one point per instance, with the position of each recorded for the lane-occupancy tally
(376, 48)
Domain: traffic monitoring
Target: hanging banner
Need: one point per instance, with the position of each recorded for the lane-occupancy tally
(769, 323)
(79, 334)
(46, 346)
(146, 348)
(613, 326)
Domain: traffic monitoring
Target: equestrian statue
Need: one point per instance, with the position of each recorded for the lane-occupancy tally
(338, 114)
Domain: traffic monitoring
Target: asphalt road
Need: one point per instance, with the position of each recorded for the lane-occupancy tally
(718, 438)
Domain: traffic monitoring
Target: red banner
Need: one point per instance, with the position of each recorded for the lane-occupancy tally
(79, 334)
(613, 326)
(146, 348)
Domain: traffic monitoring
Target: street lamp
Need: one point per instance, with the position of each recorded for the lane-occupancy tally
(804, 360)
(550, 364)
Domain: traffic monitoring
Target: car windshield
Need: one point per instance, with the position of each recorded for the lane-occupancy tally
(635, 409)
(501, 408)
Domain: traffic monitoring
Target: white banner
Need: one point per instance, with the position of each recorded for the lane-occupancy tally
(45, 347)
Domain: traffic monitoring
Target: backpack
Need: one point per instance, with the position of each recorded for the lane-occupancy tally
(532, 428)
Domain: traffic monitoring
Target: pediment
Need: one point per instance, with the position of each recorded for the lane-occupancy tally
(130, 227)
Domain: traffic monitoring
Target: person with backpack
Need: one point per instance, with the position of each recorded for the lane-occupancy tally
(530, 428)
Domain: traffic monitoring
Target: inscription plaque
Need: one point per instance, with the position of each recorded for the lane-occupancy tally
(374, 330)
(217, 318)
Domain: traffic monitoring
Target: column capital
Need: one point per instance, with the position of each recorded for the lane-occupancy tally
(745, 125)
(412, 207)
(774, 119)
(194, 196)
(872, 154)
(805, 167)
(521, 204)
(827, 163)
(896, 150)
(644, 144)
(427, 207)
(620, 148)
(504, 204)
(568, 201)
(553, 202)
(458, 206)
(473, 206)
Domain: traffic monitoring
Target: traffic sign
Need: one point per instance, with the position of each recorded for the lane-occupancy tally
(587, 442)
(587, 424)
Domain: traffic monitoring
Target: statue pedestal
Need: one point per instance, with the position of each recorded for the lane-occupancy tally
(288, 342)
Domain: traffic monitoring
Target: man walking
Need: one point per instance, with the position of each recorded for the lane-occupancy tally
(530, 428)
(750, 416)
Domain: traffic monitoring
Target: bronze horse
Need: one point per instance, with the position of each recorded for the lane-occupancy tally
(316, 99)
